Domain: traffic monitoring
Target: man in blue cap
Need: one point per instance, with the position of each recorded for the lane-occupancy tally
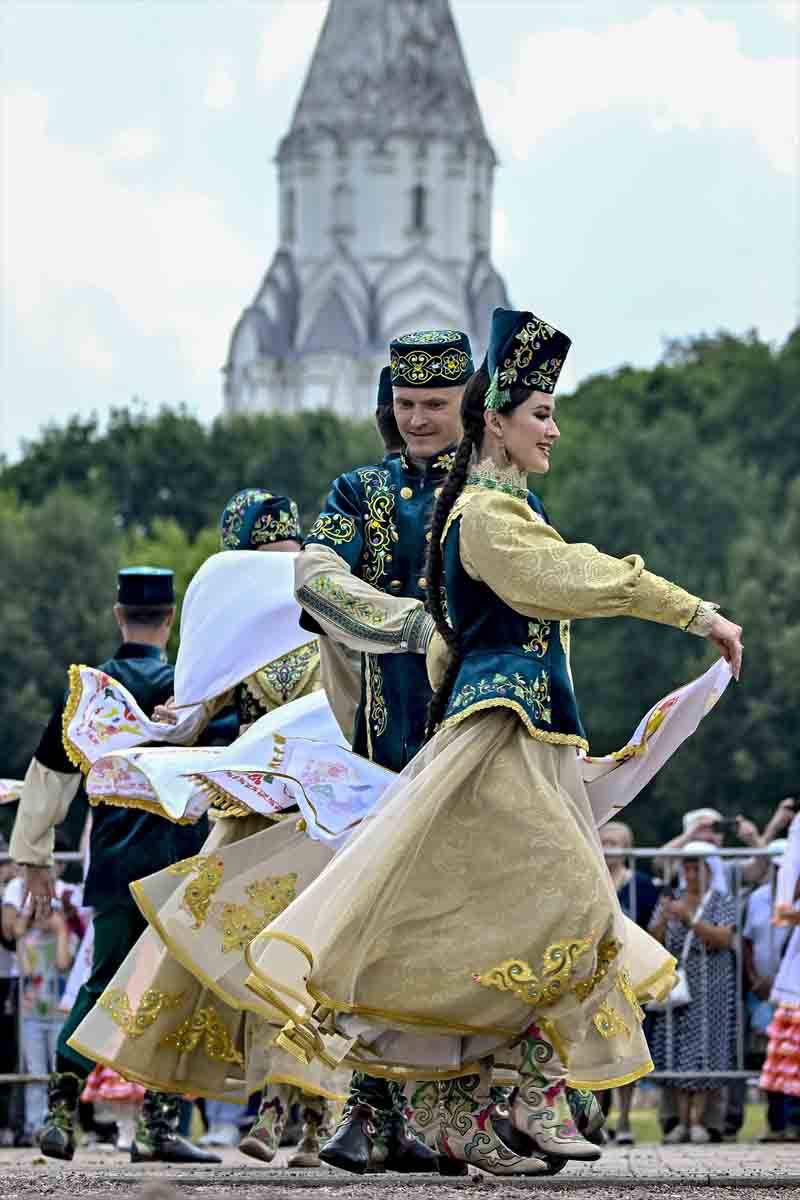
(126, 843)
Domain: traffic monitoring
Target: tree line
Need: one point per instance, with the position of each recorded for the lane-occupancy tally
(693, 464)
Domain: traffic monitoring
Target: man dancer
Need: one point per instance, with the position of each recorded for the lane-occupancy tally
(126, 843)
(360, 580)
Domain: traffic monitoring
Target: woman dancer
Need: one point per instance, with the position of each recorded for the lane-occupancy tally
(473, 914)
(164, 1020)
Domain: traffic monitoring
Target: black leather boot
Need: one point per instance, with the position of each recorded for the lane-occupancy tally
(406, 1153)
(157, 1138)
(57, 1139)
(350, 1146)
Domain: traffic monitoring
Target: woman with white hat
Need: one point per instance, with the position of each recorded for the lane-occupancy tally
(694, 1032)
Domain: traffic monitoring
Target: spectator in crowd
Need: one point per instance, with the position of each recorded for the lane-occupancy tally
(696, 924)
(763, 944)
(709, 825)
(10, 1122)
(638, 895)
(45, 951)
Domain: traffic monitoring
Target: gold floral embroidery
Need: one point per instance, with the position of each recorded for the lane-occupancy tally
(558, 962)
(204, 1025)
(377, 714)
(530, 339)
(419, 367)
(197, 894)
(609, 1023)
(539, 638)
(333, 527)
(364, 612)
(380, 531)
(270, 896)
(444, 462)
(137, 1021)
(268, 528)
(535, 692)
(626, 987)
(280, 680)
(607, 951)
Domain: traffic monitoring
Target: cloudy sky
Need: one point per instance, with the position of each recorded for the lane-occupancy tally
(647, 190)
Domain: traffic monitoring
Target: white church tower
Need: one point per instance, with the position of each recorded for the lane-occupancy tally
(385, 182)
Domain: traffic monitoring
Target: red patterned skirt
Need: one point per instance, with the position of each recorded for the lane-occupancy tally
(781, 1071)
(105, 1084)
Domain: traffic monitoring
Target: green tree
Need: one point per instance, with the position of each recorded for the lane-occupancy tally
(60, 561)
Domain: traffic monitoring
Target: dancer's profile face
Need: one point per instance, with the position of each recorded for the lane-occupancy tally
(429, 419)
(529, 433)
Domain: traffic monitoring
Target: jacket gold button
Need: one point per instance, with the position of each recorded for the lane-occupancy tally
(438, 492)
(422, 581)
(406, 493)
(396, 585)
(428, 536)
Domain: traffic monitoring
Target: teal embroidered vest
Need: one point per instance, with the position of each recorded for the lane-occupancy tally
(377, 518)
(509, 660)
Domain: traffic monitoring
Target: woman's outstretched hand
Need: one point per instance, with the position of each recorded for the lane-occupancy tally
(728, 637)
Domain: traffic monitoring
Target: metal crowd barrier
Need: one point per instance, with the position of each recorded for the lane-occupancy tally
(23, 1076)
(738, 858)
(734, 863)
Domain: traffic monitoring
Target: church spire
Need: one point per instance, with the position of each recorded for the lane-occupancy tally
(384, 67)
(385, 200)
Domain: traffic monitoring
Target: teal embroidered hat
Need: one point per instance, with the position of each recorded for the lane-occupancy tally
(254, 518)
(431, 358)
(148, 587)
(385, 393)
(524, 350)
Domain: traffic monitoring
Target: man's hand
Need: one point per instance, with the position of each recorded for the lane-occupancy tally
(747, 832)
(40, 887)
(166, 713)
(784, 814)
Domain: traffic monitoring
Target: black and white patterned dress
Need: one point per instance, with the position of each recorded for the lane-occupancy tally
(700, 1035)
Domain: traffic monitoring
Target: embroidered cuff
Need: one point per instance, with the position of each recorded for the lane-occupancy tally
(357, 617)
(703, 619)
(418, 630)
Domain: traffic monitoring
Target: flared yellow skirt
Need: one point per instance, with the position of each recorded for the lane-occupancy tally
(177, 1015)
(475, 901)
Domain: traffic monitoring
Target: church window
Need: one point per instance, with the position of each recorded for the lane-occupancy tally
(343, 207)
(419, 208)
(477, 216)
(288, 215)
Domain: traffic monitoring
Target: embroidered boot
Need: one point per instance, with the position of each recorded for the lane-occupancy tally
(350, 1147)
(307, 1153)
(57, 1139)
(265, 1134)
(157, 1138)
(470, 1125)
(539, 1106)
(406, 1153)
(587, 1114)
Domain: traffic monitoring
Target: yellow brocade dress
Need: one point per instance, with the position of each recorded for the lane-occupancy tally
(177, 1016)
(476, 900)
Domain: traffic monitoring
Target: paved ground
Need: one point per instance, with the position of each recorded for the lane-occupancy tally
(666, 1173)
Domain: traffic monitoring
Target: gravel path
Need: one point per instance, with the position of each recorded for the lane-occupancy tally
(664, 1173)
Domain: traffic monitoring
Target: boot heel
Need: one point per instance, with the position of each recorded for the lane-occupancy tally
(452, 1166)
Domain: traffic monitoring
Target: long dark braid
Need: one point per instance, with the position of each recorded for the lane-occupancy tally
(472, 419)
(472, 408)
